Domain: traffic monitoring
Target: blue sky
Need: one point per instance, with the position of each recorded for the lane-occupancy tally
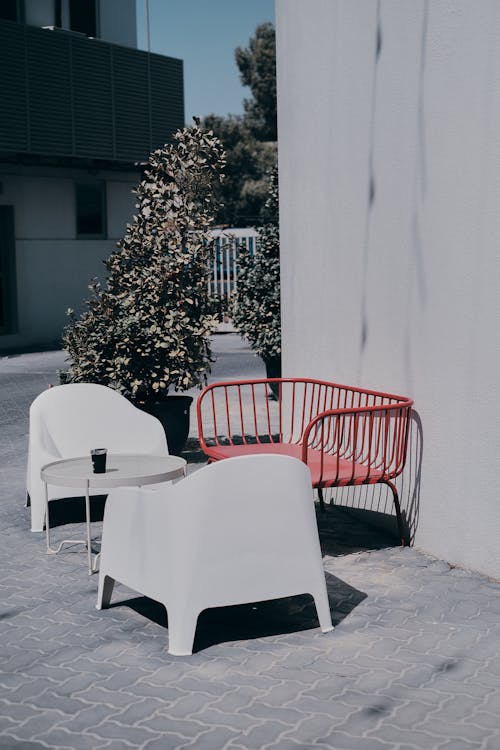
(204, 33)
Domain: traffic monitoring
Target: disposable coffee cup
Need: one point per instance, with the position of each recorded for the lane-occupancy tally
(98, 456)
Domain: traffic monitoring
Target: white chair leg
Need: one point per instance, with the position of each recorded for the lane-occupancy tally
(104, 591)
(323, 610)
(181, 632)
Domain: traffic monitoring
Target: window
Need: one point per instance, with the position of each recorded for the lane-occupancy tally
(82, 16)
(9, 10)
(91, 210)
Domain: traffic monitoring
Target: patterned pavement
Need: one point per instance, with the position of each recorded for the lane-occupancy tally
(413, 663)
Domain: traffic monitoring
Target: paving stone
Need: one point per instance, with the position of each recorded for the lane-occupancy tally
(10, 743)
(169, 694)
(124, 678)
(112, 698)
(458, 744)
(37, 725)
(262, 735)
(344, 741)
(59, 738)
(412, 714)
(16, 712)
(239, 721)
(76, 683)
(28, 690)
(312, 705)
(140, 712)
(280, 695)
(260, 710)
(113, 730)
(236, 699)
(439, 727)
(215, 739)
(416, 737)
(491, 743)
(64, 704)
(189, 705)
(167, 741)
(208, 687)
(492, 702)
(310, 728)
(185, 728)
(88, 718)
(413, 664)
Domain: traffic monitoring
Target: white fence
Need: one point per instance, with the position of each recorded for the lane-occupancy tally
(224, 264)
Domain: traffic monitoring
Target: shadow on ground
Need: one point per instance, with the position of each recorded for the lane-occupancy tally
(259, 619)
(342, 533)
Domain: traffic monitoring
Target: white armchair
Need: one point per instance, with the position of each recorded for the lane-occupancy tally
(69, 420)
(238, 531)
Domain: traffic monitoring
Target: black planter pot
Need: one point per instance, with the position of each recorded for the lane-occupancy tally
(273, 370)
(173, 413)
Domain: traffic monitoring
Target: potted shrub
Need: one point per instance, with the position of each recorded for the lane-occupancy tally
(256, 302)
(146, 331)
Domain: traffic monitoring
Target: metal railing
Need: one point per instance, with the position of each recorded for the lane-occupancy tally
(224, 263)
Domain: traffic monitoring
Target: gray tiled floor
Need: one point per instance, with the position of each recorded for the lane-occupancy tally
(413, 664)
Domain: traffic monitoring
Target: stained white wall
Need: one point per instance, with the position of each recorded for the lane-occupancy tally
(53, 267)
(389, 156)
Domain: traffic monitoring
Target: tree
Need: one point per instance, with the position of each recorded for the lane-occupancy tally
(257, 65)
(249, 140)
(148, 330)
(256, 303)
(242, 194)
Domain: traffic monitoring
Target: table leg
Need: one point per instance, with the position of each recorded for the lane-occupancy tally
(95, 564)
(47, 522)
(87, 523)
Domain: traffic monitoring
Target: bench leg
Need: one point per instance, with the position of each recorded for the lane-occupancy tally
(397, 506)
(321, 500)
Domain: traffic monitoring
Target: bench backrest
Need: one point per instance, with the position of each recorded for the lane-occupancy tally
(357, 424)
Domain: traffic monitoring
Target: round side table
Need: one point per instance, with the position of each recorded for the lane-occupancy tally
(122, 470)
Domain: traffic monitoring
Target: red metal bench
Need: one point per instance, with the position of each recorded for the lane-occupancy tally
(346, 435)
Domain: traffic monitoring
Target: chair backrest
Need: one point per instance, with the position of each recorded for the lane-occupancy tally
(71, 419)
(245, 524)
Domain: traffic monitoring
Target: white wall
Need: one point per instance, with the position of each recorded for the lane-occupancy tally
(116, 19)
(53, 267)
(401, 291)
(117, 22)
(40, 12)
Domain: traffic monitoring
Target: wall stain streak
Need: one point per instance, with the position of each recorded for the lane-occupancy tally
(372, 188)
(416, 267)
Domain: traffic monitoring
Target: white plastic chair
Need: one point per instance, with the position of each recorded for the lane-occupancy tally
(69, 420)
(238, 531)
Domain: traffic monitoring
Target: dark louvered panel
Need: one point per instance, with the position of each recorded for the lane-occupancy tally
(92, 99)
(130, 74)
(13, 123)
(62, 95)
(50, 102)
(167, 95)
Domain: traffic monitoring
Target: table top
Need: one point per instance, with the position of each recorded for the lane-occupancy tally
(122, 470)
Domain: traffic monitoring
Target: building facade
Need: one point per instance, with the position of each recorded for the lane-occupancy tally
(389, 159)
(81, 109)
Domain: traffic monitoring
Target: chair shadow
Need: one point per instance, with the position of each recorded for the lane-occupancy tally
(257, 620)
(343, 533)
(69, 510)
